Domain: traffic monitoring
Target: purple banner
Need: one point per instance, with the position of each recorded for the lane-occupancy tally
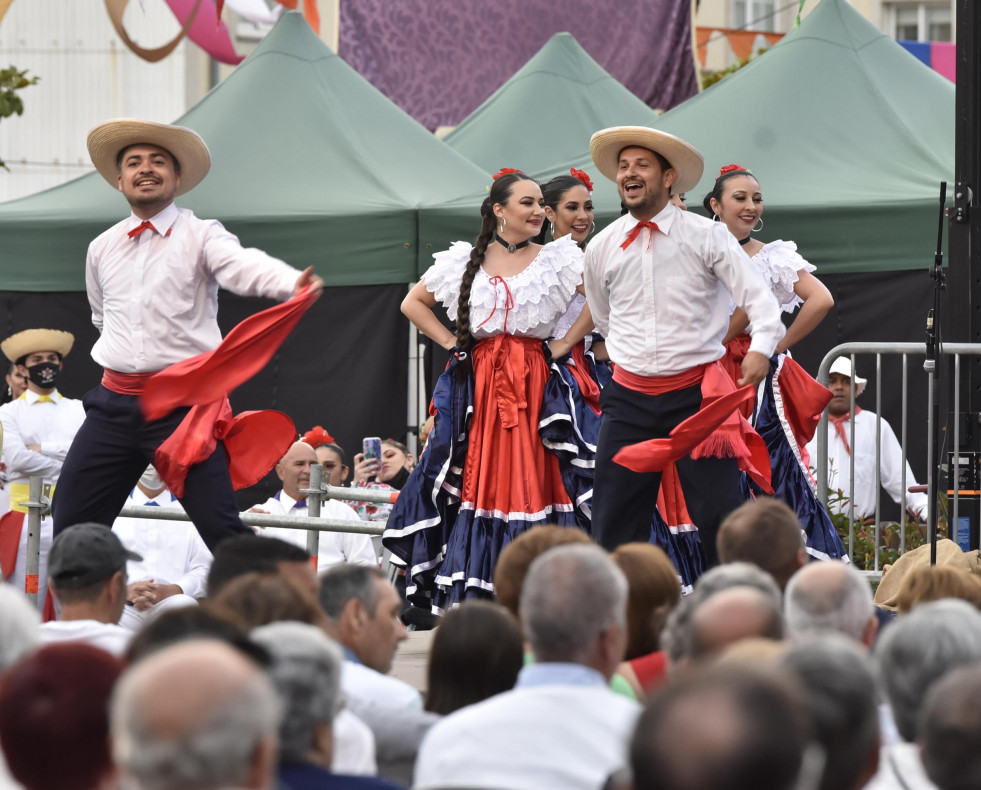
(440, 59)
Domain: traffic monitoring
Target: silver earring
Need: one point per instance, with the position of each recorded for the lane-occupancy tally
(503, 223)
(757, 230)
(592, 226)
(551, 229)
(716, 218)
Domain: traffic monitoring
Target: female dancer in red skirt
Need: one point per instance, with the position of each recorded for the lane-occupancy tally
(486, 476)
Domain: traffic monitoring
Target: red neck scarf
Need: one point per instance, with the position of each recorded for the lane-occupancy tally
(838, 422)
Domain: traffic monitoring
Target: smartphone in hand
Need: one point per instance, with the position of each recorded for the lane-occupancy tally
(371, 446)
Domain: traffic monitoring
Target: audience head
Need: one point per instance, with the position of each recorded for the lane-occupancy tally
(517, 556)
(18, 626)
(767, 533)
(363, 611)
(838, 680)
(237, 556)
(306, 671)
(191, 622)
(722, 728)
(334, 461)
(293, 469)
(257, 599)
(730, 616)
(87, 568)
(921, 647)
(950, 730)
(196, 716)
(653, 590)
(573, 608)
(935, 582)
(54, 717)
(476, 652)
(831, 596)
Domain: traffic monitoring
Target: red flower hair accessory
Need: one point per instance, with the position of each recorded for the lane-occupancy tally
(581, 175)
(504, 171)
(730, 169)
(317, 437)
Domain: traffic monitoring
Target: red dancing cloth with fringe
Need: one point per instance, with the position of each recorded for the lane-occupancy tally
(254, 440)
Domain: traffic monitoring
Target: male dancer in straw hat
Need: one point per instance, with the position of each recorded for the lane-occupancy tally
(39, 427)
(658, 282)
(152, 283)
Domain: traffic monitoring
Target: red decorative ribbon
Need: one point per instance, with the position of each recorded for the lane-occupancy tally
(588, 388)
(839, 423)
(632, 236)
(508, 301)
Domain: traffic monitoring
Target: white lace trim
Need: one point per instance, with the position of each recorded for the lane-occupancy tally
(542, 292)
(779, 263)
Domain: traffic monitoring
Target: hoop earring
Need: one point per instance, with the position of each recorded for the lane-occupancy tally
(503, 223)
(757, 230)
(592, 226)
(716, 218)
(551, 229)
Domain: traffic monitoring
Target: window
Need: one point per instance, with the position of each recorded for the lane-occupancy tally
(932, 20)
(754, 14)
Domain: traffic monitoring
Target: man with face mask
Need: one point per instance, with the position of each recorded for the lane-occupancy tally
(174, 570)
(38, 429)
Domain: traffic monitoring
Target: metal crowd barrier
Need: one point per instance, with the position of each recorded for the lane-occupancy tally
(39, 506)
(957, 350)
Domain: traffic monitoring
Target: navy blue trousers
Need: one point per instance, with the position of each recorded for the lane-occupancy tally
(111, 451)
(624, 501)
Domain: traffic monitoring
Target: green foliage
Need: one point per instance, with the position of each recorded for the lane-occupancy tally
(712, 77)
(12, 80)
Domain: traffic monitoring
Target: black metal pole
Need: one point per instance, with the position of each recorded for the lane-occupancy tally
(930, 366)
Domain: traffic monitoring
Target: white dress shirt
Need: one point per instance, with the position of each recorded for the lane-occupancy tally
(52, 424)
(335, 547)
(172, 551)
(663, 303)
(154, 298)
(107, 636)
(863, 454)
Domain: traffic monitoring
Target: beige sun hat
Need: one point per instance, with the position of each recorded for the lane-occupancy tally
(32, 340)
(843, 367)
(107, 139)
(605, 147)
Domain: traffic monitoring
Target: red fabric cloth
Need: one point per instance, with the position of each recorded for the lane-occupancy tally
(140, 228)
(588, 387)
(11, 525)
(736, 350)
(124, 383)
(717, 429)
(507, 468)
(632, 236)
(839, 423)
(804, 400)
(658, 385)
(651, 670)
(254, 441)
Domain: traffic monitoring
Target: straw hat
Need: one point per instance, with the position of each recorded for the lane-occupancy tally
(31, 340)
(605, 147)
(107, 139)
(843, 367)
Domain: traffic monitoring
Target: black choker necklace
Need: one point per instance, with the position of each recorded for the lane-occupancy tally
(512, 247)
(745, 241)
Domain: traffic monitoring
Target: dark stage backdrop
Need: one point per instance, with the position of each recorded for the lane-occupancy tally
(440, 59)
(344, 367)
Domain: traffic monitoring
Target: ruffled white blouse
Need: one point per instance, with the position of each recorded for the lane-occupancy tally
(527, 304)
(780, 264)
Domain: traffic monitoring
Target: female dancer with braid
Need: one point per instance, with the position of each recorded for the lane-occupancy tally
(790, 401)
(485, 475)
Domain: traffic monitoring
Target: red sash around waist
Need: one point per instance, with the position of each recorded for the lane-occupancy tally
(124, 383)
(716, 430)
(659, 385)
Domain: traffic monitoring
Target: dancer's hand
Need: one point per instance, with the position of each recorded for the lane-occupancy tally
(755, 368)
(308, 278)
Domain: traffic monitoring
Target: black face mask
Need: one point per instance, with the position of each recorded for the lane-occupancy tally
(44, 374)
(399, 480)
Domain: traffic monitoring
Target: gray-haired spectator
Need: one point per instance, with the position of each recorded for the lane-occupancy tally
(561, 726)
(730, 616)
(722, 728)
(306, 671)
(918, 650)
(839, 682)
(196, 716)
(677, 636)
(831, 596)
(363, 610)
(949, 730)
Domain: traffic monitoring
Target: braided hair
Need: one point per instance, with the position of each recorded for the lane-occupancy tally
(500, 193)
(719, 188)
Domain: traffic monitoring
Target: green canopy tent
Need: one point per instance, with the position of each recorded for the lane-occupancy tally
(541, 119)
(315, 166)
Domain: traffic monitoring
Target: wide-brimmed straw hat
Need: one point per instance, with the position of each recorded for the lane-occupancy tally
(107, 139)
(843, 367)
(605, 147)
(31, 340)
